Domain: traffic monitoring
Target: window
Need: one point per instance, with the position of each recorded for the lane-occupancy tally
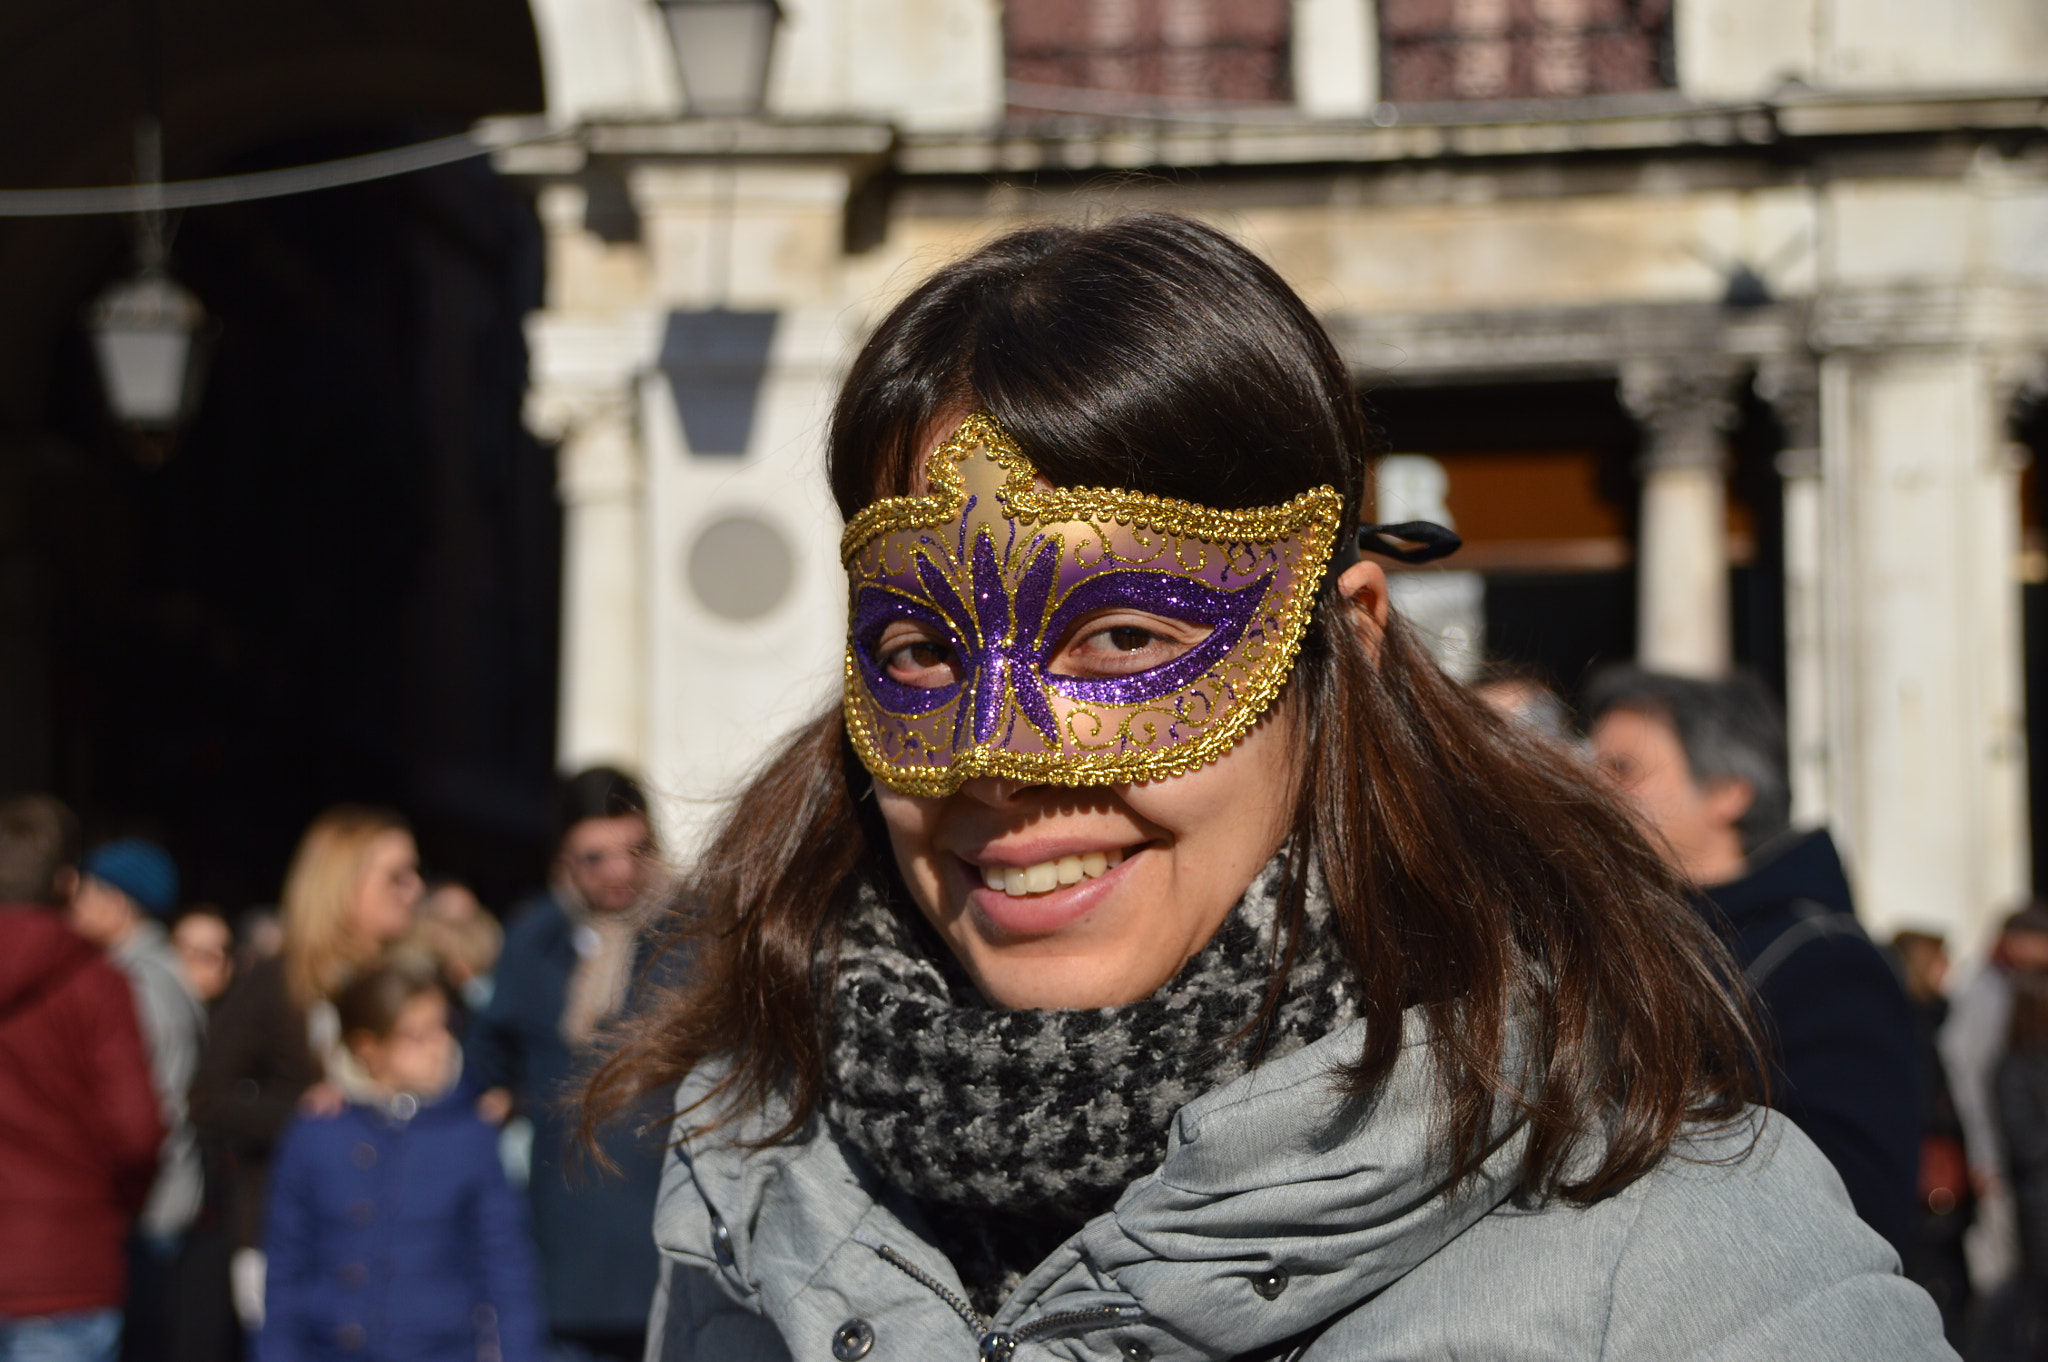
(1522, 49)
(1131, 56)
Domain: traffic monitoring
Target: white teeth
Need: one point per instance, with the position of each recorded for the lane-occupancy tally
(1049, 875)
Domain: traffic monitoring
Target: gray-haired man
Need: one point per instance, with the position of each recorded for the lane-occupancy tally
(1704, 763)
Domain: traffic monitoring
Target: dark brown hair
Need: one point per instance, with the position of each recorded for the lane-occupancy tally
(1483, 876)
(371, 1003)
(2028, 1029)
(597, 792)
(38, 838)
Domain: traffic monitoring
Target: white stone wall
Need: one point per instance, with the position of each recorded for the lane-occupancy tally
(923, 65)
(1336, 63)
(722, 695)
(1747, 49)
(604, 59)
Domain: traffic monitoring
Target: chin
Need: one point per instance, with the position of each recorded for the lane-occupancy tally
(1010, 978)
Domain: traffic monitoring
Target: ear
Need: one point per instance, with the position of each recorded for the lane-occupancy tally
(1728, 799)
(1364, 584)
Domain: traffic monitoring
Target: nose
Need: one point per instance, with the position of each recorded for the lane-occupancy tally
(996, 791)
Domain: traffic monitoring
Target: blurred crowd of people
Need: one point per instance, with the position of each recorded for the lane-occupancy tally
(1928, 1094)
(337, 1128)
(343, 1127)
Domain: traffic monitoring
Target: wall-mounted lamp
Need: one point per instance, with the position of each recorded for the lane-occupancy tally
(722, 49)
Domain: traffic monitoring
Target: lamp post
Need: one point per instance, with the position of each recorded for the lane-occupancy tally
(722, 49)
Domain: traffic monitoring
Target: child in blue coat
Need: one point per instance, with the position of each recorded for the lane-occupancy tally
(392, 1233)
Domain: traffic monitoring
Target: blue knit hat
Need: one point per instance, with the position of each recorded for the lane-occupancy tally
(142, 870)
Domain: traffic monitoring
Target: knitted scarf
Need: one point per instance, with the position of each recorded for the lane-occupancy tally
(1012, 1129)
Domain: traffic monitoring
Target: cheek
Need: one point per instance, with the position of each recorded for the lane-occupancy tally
(912, 824)
(1236, 807)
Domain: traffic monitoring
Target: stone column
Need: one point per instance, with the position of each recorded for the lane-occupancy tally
(1791, 384)
(1925, 734)
(602, 715)
(1682, 554)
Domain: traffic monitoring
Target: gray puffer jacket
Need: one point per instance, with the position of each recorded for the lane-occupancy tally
(1286, 1223)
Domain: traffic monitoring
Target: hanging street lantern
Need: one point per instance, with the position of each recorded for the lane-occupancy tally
(147, 333)
(722, 49)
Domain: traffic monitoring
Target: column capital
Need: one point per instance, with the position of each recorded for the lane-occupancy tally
(1790, 384)
(2021, 379)
(557, 411)
(1685, 406)
(597, 454)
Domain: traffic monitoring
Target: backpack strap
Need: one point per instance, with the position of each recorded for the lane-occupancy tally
(1814, 922)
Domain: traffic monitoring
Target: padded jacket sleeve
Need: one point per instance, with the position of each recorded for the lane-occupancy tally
(1763, 1258)
(130, 1115)
(694, 1321)
(290, 1229)
(511, 1268)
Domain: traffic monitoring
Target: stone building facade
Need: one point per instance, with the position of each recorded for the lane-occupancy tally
(1807, 235)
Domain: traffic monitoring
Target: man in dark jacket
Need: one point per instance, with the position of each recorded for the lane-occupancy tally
(82, 1127)
(569, 966)
(1704, 761)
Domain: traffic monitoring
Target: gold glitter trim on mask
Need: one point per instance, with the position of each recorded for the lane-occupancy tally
(1126, 747)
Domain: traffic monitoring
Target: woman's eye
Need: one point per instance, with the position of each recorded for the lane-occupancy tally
(927, 663)
(1123, 647)
(1128, 638)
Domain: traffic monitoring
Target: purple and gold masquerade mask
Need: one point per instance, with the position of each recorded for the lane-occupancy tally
(1001, 571)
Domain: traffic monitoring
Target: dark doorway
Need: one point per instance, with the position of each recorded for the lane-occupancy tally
(341, 585)
(1548, 476)
(2030, 427)
(1543, 488)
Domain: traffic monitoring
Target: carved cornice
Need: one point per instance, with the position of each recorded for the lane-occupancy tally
(1501, 130)
(1931, 316)
(1396, 348)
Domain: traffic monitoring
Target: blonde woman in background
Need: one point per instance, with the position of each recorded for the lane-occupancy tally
(349, 892)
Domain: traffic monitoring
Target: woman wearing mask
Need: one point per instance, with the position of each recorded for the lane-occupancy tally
(349, 892)
(1154, 955)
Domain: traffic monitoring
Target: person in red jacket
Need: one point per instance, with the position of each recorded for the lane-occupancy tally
(80, 1124)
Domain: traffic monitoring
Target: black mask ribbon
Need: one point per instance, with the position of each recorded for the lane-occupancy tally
(1411, 541)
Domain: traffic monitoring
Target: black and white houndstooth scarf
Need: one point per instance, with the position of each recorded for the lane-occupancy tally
(1013, 1128)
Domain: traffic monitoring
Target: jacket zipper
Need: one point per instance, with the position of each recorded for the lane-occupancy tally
(996, 1345)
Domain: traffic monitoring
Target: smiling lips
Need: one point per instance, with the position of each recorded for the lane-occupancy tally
(1020, 880)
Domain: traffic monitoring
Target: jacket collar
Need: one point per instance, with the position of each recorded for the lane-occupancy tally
(1274, 1183)
(1794, 866)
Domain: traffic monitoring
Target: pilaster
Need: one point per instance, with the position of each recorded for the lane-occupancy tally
(602, 714)
(1790, 383)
